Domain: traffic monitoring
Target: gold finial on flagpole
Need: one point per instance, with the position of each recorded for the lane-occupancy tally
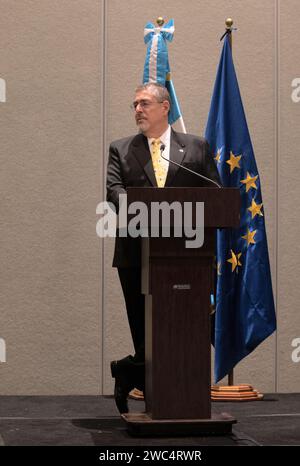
(229, 29)
(229, 23)
(160, 21)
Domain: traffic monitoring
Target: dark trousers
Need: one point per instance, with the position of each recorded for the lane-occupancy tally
(130, 278)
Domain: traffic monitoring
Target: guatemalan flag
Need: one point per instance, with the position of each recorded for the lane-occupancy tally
(157, 68)
(245, 313)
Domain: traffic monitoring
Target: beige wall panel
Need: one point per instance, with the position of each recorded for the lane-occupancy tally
(194, 55)
(51, 170)
(116, 337)
(288, 195)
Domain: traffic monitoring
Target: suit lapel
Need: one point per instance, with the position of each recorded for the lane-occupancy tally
(141, 152)
(177, 153)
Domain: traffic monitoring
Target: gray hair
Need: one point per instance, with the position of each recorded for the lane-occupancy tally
(158, 90)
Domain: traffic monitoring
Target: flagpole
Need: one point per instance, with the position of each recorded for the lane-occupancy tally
(229, 23)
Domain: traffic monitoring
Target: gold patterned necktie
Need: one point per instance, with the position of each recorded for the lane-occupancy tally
(158, 165)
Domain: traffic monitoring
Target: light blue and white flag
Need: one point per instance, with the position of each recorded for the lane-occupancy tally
(157, 68)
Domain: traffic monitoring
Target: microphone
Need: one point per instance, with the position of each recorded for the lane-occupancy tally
(162, 148)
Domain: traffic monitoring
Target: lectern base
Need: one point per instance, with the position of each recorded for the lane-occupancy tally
(141, 424)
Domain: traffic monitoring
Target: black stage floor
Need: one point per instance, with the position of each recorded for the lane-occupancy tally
(94, 420)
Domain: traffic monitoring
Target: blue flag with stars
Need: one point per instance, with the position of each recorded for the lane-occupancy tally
(245, 313)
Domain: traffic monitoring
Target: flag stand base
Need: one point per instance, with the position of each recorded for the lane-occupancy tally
(136, 394)
(242, 392)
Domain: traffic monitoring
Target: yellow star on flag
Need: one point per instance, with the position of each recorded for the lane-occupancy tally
(250, 182)
(255, 209)
(218, 156)
(234, 260)
(249, 237)
(234, 161)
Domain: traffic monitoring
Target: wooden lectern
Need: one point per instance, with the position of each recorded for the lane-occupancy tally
(178, 283)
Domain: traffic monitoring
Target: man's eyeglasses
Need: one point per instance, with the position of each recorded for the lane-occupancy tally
(144, 104)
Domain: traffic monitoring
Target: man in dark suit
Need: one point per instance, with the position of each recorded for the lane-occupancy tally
(135, 161)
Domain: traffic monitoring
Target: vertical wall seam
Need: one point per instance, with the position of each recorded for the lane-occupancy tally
(103, 149)
(277, 145)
